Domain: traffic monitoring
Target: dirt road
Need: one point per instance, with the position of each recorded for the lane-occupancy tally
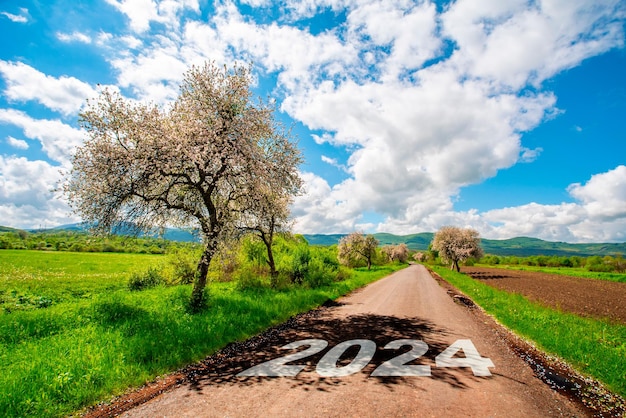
(349, 373)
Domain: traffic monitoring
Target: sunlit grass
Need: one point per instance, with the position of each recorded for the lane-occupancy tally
(82, 349)
(594, 347)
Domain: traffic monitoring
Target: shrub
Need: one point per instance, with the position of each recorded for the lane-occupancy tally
(182, 266)
(250, 277)
(319, 274)
(150, 278)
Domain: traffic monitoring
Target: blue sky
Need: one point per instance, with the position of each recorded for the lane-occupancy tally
(507, 117)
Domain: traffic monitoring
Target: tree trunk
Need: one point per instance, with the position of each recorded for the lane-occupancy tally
(270, 259)
(197, 301)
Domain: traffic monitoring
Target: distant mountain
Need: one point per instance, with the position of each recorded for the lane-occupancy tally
(525, 246)
(521, 246)
(171, 234)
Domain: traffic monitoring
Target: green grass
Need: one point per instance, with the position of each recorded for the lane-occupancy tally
(565, 271)
(594, 347)
(29, 279)
(94, 343)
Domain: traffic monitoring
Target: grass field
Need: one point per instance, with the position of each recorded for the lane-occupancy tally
(566, 271)
(594, 347)
(72, 334)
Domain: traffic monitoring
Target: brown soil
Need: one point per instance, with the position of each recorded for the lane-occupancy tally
(586, 297)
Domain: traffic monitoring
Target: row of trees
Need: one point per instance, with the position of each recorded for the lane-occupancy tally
(595, 263)
(83, 242)
(358, 249)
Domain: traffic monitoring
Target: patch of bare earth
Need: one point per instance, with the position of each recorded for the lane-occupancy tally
(585, 297)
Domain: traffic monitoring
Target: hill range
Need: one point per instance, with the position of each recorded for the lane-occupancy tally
(520, 246)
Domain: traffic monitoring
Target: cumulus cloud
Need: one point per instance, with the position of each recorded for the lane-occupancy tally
(17, 143)
(25, 83)
(58, 140)
(597, 215)
(425, 100)
(604, 195)
(422, 132)
(26, 193)
(142, 12)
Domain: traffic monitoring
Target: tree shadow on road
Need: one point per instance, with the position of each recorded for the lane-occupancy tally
(223, 367)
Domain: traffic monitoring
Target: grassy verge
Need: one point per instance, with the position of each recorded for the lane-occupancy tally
(594, 347)
(83, 349)
(565, 271)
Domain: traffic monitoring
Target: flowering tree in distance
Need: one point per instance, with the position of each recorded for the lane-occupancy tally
(357, 246)
(457, 245)
(398, 252)
(199, 162)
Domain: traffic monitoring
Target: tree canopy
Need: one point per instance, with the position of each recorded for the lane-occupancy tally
(205, 161)
(357, 246)
(456, 245)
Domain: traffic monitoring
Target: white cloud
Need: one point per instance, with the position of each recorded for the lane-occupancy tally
(153, 75)
(58, 140)
(73, 37)
(599, 215)
(420, 134)
(17, 143)
(604, 195)
(334, 163)
(424, 103)
(21, 18)
(295, 54)
(514, 42)
(142, 12)
(63, 94)
(529, 155)
(26, 196)
(409, 32)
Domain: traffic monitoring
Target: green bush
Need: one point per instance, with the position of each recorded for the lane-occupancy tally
(150, 278)
(182, 265)
(250, 277)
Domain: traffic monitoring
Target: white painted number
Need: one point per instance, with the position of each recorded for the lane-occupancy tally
(327, 366)
(472, 359)
(397, 366)
(279, 367)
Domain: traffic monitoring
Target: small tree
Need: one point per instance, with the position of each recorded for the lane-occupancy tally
(419, 256)
(357, 246)
(398, 252)
(197, 163)
(401, 253)
(456, 245)
(268, 213)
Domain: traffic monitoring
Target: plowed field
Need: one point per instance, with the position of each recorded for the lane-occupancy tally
(586, 297)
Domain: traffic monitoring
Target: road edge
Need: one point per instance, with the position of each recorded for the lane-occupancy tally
(561, 377)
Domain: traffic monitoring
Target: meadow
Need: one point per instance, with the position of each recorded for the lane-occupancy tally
(73, 334)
